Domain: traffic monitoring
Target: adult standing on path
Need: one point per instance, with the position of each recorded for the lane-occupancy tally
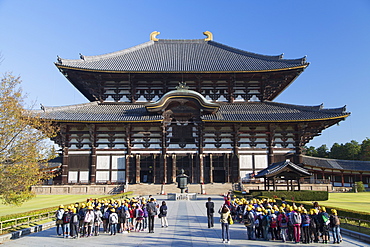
(224, 212)
(152, 212)
(210, 211)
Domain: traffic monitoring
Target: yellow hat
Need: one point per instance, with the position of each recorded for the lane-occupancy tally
(61, 206)
(113, 210)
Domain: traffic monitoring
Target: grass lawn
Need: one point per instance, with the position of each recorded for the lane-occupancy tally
(353, 201)
(44, 201)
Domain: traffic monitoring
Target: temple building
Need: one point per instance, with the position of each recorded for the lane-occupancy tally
(167, 105)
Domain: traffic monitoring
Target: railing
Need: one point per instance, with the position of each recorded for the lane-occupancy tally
(358, 225)
(25, 220)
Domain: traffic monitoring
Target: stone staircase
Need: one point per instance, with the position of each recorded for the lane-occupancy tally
(156, 189)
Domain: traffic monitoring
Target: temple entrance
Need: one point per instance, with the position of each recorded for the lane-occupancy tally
(219, 168)
(184, 163)
(219, 176)
(146, 169)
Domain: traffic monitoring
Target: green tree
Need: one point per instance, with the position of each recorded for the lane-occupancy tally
(352, 150)
(322, 151)
(310, 151)
(336, 151)
(23, 149)
(365, 149)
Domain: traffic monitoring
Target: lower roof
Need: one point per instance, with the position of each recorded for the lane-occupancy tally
(228, 112)
(349, 165)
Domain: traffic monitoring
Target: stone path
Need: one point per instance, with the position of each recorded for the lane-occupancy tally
(187, 227)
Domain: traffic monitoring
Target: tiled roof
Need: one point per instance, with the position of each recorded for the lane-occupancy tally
(228, 112)
(181, 56)
(273, 112)
(277, 168)
(353, 165)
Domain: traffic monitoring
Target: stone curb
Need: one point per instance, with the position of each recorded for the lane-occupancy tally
(356, 235)
(26, 231)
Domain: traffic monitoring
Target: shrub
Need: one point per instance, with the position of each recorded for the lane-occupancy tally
(360, 186)
(303, 195)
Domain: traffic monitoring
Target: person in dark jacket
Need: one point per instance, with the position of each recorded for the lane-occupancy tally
(314, 225)
(324, 220)
(210, 211)
(163, 213)
(152, 212)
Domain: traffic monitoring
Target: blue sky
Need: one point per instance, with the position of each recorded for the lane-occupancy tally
(335, 36)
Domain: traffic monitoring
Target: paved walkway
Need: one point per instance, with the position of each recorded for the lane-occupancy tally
(187, 227)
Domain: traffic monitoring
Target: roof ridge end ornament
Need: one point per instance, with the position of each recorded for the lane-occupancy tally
(153, 35)
(209, 36)
(182, 86)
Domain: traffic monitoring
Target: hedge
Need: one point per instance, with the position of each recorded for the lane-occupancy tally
(343, 212)
(303, 195)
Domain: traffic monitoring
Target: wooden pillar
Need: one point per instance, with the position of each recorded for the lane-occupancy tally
(163, 167)
(127, 166)
(227, 168)
(201, 168)
(287, 184)
(210, 169)
(291, 184)
(342, 177)
(270, 143)
(299, 183)
(298, 158)
(274, 183)
(137, 170)
(200, 152)
(128, 153)
(65, 166)
(93, 166)
(191, 159)
(154, 170)
(174, 168)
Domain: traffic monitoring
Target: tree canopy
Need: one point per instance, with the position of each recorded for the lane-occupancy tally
(24, 151)
(349, 151)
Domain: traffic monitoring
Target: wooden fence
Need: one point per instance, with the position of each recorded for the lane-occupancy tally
(25, 220)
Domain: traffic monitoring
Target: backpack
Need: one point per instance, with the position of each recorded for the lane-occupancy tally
(295, 218)
(326, 220)
(141, 213)
(247, 220)
(66, 218)
(306, 219)
(265, 221)
(313, 222)
(122, 213)
(284, 221)
(75, 218)
(106, 214)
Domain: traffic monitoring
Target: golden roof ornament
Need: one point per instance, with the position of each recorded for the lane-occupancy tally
(182, 86)
(209, 36)
(153, 36)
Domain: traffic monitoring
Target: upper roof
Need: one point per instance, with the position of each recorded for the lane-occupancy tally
(171, 56)
(228, 112)
(350, 165)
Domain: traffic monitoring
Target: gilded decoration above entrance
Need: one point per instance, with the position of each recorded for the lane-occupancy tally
(183, 100)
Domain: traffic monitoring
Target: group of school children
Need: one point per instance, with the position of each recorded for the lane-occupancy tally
(114, 216)
(264, 219)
